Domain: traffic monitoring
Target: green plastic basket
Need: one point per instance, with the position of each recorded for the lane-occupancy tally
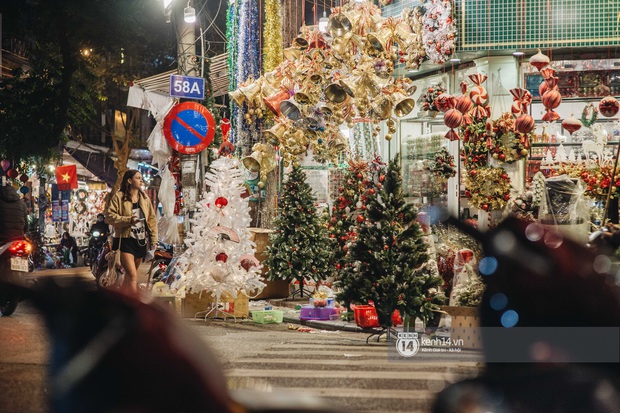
(267, 316)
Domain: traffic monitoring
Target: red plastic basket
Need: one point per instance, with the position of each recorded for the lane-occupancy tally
(365, 316)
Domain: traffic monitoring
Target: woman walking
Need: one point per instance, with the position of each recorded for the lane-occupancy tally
(132, 215)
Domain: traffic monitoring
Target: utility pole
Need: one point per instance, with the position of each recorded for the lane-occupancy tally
(187, 66)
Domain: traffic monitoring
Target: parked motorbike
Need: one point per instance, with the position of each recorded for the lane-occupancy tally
(15, 263)
(101, 263)
(161, 260)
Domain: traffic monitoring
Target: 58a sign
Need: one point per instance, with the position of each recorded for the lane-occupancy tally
(187, 87)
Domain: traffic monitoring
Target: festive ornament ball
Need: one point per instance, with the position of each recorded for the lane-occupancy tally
(23, 178)
(464, 104)
(12, 173)
(525, 123)
(221, 202)
(444, 102)
(221, 257)
(543, 88)
(261, 184)
(24, 190)
(552, 99)
(539, 60)
(479, 95)
(453, 118)
(388, 137)
(609, 106)
(360, 218)
(572, 124)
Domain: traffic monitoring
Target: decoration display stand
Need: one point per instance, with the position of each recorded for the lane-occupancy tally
(213, 312)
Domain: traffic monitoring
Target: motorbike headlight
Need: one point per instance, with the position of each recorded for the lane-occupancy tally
(96, 234)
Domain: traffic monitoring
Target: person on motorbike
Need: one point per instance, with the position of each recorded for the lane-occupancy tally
(13, 215)
(100, 226)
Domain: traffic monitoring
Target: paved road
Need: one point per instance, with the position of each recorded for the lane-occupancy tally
(338, 366)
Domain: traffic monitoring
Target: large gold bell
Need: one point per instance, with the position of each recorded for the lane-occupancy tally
(292, 54)
(252, 91)
(378, 41)
(403, 105)
(383, 108)
(300, 43)
(336, 93)
(267, 89)
(339, 25)
(274, 135)
(252, 162)
(237, 97)
(273, 101)
(290, 109)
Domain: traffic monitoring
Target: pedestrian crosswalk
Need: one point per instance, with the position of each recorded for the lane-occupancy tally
(351, 374)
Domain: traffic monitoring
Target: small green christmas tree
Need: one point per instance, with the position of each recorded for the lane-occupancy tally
(299, 246)
(342, 222)
(390, 253)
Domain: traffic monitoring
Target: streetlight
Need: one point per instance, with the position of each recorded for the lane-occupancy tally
(189, 14)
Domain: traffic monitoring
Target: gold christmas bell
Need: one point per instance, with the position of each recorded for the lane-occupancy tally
(274, 135)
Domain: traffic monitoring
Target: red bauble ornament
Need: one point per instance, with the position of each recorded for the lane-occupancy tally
(5, 164)
(23, 178)
(485, 207)
(473, 172)
(445, 102)
(543, 88)
(453, 118)
(609, 106)
(12, 173)
(525, 123)
(360, 218)
(360, 176)
(572, 124)
(221, 257)
(221, 202)
(552, 99)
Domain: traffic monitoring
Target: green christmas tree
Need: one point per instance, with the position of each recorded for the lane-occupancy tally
(390, 253)
(348, 212)
(299, 246)
(342, 221)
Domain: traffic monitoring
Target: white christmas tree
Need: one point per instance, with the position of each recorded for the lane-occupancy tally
(220, 255)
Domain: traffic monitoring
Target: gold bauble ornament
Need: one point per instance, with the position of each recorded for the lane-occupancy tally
(390, 123)
(261, 184)
(388, 137)
(350, 125)
(391, 129)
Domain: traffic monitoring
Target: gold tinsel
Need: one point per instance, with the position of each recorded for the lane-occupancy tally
(272, 36)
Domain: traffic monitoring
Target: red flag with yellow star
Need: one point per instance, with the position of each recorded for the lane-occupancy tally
(66, 177)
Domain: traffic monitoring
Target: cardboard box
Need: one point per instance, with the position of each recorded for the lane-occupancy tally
(204, 301)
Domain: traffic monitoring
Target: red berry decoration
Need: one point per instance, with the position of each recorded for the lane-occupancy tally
(221, 257)
(221, 202)
(360, 218)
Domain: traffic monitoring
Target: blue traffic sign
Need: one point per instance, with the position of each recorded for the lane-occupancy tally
(188, 87)
(189, 127)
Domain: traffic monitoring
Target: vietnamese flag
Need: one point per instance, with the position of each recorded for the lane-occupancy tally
(66, 177)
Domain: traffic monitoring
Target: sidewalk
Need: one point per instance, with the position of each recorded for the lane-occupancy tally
(292, 316)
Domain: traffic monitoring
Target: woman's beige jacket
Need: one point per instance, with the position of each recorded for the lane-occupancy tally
(119, 212)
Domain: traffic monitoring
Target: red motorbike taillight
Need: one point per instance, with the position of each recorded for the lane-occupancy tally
(20, 248)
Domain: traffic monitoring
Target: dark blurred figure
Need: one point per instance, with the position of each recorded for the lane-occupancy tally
(100, 226)
(550, 323)
(68, 242)
(13, 214)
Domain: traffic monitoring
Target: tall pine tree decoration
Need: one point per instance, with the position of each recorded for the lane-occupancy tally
(348, 212)
(390, 253)
(299, 246)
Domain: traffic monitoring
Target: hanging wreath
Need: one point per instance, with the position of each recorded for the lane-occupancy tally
(443, 165)
(506, 145)
(439, 31)
(82, 194)
(589, 115)
(475, 150)
(488, 188)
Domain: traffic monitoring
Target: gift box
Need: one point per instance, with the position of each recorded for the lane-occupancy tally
(267, 316)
